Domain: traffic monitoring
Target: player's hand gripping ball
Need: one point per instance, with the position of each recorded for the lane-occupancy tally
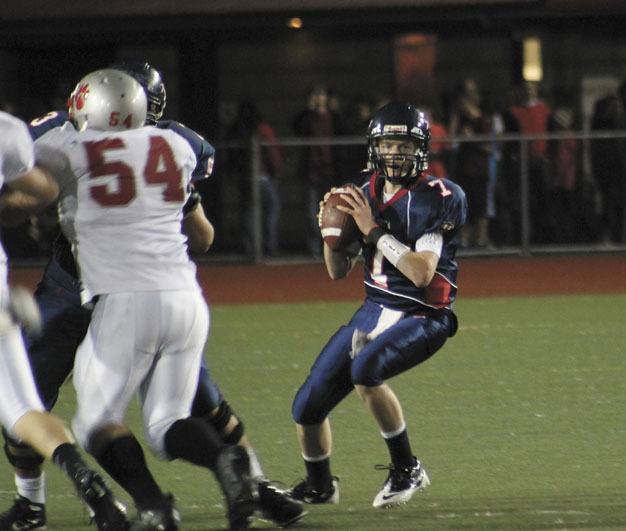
(338, 228)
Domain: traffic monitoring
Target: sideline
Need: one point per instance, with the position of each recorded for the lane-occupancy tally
(478, 277)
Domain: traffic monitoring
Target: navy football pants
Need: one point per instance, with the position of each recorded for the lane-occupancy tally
(400, 347)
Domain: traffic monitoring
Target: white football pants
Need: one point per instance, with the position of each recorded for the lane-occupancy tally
(149, 342)
(18, 393)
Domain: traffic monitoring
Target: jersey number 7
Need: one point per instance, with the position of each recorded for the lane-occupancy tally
(160, 169)
(442, 187)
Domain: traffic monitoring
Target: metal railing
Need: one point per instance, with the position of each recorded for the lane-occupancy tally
(525, 246)
(233, 220)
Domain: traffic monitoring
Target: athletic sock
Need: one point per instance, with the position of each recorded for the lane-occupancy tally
(34, 489)
(67, 457)
(256, 472)
(124, 460)
(400, 450)
(194, 441)
(318, 474)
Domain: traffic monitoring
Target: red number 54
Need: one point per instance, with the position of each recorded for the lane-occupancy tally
(114, 120)
(160, 170)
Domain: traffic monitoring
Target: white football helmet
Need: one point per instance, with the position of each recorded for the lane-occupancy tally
(108, 100)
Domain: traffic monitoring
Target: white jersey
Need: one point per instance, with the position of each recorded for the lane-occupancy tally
(16, 157)
(16, 148)
(130, 188)
(18, 393)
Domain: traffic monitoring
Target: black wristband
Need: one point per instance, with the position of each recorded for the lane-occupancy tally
(374, 235)
(192, 203)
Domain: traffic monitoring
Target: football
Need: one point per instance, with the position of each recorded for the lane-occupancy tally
(339, 229)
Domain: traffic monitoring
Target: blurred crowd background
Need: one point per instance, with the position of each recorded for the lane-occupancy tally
(526, 103)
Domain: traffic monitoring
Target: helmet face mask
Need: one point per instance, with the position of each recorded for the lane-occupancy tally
(397, 157)
(107, 100)
(398, 137)
(151, 81)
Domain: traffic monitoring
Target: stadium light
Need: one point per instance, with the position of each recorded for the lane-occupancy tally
(532, 69)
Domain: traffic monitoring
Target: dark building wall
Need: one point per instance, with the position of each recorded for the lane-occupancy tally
(486, 59)
(278, 74)
(206, 74)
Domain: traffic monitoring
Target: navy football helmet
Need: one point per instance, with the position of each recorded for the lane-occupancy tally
(399, 121)
(150, 79)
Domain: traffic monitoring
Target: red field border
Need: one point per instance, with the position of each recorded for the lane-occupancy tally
(478, 277)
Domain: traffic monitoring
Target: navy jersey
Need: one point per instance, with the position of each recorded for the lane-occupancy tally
(40, 126)
(431, 205)
(204, 151)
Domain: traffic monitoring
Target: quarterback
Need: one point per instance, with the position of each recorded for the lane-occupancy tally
(408, 223)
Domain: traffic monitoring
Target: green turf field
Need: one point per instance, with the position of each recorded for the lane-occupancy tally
(520, 419)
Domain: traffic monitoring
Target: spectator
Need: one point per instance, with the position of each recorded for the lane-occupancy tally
(506, 226)
(563, 157)
(439, 151)
(495, 123)
(607, 159)
(532, 114)
(471, 164)
(359, 113)
(318, 163)
(248, 124)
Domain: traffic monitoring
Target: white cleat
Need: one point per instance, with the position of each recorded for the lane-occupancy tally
(401, 485)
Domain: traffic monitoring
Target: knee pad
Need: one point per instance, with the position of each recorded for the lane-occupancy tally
(234, 436)
(19, 454)
(220, 420)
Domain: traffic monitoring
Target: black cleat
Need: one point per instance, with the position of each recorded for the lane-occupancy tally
(163, 517)
(278, 506)
(233, 473)
(305, 492)
(23, 515)
(106, 512)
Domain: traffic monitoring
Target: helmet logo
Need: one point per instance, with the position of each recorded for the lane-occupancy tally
(77, 99)
(394, 130)
(447, 226)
